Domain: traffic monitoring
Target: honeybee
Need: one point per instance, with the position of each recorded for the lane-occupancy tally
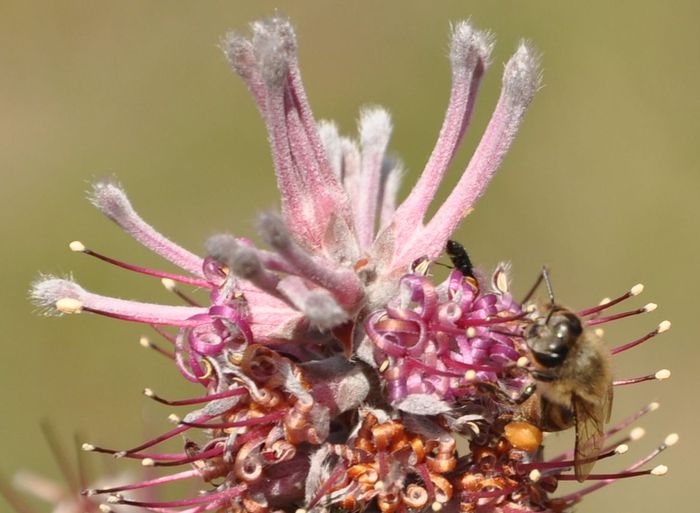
(573, 380)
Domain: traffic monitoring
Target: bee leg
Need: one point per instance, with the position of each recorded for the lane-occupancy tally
(525, 394)
(542, 376)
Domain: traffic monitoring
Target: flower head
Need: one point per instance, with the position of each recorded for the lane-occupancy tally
(337, 373)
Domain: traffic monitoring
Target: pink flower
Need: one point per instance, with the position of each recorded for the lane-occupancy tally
(336, 373)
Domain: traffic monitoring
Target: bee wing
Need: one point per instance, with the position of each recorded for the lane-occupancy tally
(589, 435)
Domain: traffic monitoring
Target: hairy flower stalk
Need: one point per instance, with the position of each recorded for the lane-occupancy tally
(336, 373)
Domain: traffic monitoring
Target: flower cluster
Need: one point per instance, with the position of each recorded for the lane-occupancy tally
(337, 374)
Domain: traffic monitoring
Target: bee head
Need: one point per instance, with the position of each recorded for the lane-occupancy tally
(550, 338)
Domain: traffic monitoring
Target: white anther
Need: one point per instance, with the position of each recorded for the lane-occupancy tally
(637, 433)
(653, 406)
(87, 447)
(663, 326)
(662, 374)
(604, 301)
(148, 462)
(105, 509)
(650, 307)
(168, 284)
(471, 332)
(384, 366)
(470, 375)
(174, 418)
(637, 289)
(114, 499)
(145, 342)
(659, 470)
(379, 485)
(436, 506)
(522, 362)
(148, 392)
(76, 246)
(671, 439)
(69, 305)
(599, 332)
(535, 475)
(622, 449)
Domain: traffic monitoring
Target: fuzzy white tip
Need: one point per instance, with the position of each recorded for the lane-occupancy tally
(148, 392)
(76, 246)
(145, 342)
(671, 439)
(604, 301)
(168, 284)
(663, 326)
(662, 374)
(105, 509)
(470, 375)
(653, 406)
(471, 332)
(468, 44)
(48, 290)
(535, 475)
(323, 311)
(522, 77)
(174, 418)
(650, 307)
(68, 305)
(622, 449)
(374, 126)
(148, 462)
(87, 447)
(522, 362)
(245, 263)
(274, 44)
(436, 506)
(114, 499)
(659, 470)
(637, 433)
(111, 200)
(273, 231)
(637, 289)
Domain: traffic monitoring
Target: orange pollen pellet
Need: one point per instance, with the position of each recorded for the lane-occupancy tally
(523, 436)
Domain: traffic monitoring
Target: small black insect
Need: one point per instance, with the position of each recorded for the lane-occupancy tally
(459, 258)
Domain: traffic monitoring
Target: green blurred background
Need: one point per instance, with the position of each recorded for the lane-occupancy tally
(601, 184)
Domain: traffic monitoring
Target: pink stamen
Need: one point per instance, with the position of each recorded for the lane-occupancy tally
(196, 400)
(207, 498)
(660, 329)
(145, 342)
(602, 320)
(210, 453)
(144, 484)
(167, 336)
(254, 421)
(149, 272)
(338, 472)
(634, 291)
(658, 375)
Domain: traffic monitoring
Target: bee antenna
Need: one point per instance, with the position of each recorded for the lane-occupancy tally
(548, 284)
